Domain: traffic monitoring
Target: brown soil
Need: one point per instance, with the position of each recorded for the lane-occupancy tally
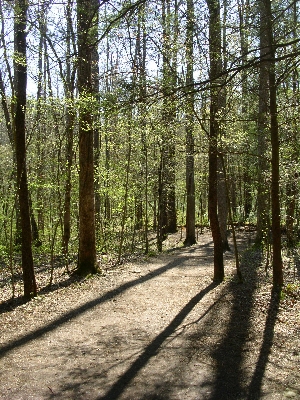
(156, 328)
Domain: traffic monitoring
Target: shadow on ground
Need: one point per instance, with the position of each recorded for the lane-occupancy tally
(67, 317)
(195, 356)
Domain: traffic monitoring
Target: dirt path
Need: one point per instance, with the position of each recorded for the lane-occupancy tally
(155, 329)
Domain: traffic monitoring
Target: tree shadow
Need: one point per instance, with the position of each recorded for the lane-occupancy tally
(232, 379)
(151, 350)
(229, 355)
(72, 314)
(254, 392)
(228, 346)
(15, 302)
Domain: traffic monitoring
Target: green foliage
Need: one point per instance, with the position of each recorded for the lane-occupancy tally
(292, 289)
(134, 120)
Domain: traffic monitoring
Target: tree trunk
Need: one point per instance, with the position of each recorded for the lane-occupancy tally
(292, 187)
(30, 288)
(69, 131)
(215, 71)
(167, 203)
(190, 238)
(222, 205)
(95, 84)
(276, 231)
(262, 132)
(86, 12)
(243, 7)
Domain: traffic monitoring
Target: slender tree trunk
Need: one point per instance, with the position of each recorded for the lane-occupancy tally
(190, 238)
(69, 130)
(215, 71)
(126, 189)
(292, 187)
(262, 132)
(70, 119)
(243, 7)
(143, 92)
(161, 208)
(222, 197)
(140, 92)
(222, 205)
(95, 83)
(276, 230)
(172, 63)
(167, 203)
(30, 288)
(163, 169)
(86, 12)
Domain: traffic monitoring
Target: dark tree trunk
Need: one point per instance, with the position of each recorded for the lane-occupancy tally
(95, 84)
(86, 12)
(70, 117)
(190, 238)
(167, 218)
(263, 132)
(30, 288)
(243, 8)
(222, 101)
(162, 201)
(276, 230)
(69, 131)
(215, 71)
(292, 190)
(222, 205)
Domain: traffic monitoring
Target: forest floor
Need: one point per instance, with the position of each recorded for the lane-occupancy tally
(155, 328)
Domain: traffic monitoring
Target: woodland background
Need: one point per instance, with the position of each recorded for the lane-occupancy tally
(124, 118)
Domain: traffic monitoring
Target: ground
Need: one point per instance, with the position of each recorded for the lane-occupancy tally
(156, 328)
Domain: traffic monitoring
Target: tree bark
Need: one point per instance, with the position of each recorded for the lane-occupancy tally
(167, 203)
(69, 131)
(276, 230)
(86, 12)
(262, 132)
(215, 71)
(190, 238)
(292, 190)
(20, 67)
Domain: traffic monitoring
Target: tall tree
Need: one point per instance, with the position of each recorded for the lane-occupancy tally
(190, 238)
(167, 221)
(243, 9)
(262, 131)
(69, 88)
(86, 30)
(215, 56)
(20, 84)
(292, 189)
(95, 83)
(276, 230)
(222, 191)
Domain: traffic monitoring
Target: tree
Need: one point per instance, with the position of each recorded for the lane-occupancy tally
(190, 238)
(262, 131)
(69, 88)
(20, 68)
(167, 218)
(292, 190)
(276, 228)
(214, 131)
(222, 191)
(87, 40)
